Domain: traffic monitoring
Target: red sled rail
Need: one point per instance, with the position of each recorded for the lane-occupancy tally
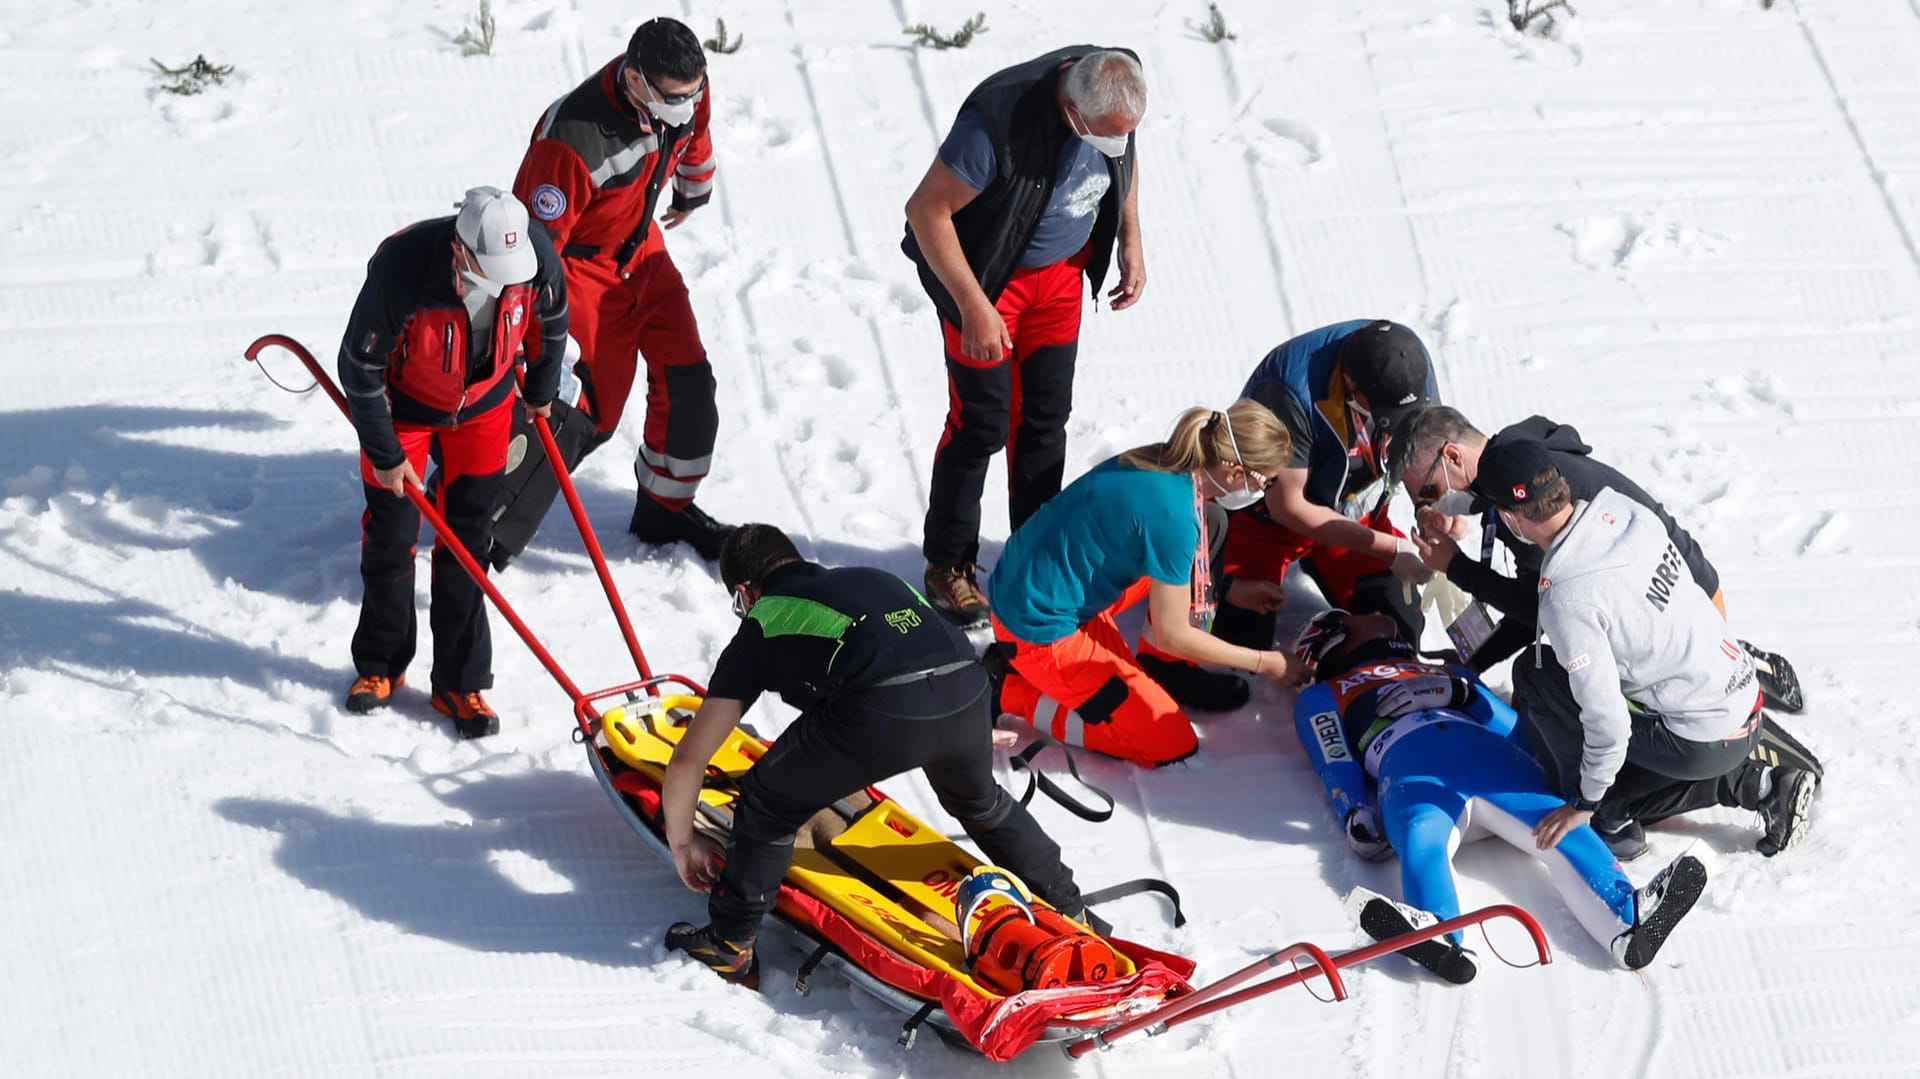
(1226, 993)
(473, 568)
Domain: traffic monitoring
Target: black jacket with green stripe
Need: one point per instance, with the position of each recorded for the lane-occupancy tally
(818, 635)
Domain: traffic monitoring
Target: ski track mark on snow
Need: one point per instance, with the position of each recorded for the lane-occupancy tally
(853, 247)
(1879, 175)
(1276, 260)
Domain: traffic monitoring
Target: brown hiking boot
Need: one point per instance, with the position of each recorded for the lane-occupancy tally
(471, 714)
(372, 691)
(955, 592)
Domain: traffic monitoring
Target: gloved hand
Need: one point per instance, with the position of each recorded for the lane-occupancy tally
(1365, 835)
(1407, 564)
(1444, 598)
(1414, 694)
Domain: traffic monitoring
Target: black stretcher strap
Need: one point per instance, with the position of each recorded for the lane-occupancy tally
(1037, 780)
(910, 1029)
(1135, 887)
(812, 963)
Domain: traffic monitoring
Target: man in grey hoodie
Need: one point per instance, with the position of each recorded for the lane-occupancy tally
(1437, 458)
(1645, 700)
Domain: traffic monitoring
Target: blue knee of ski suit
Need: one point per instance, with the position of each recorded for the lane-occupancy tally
(1440, 773)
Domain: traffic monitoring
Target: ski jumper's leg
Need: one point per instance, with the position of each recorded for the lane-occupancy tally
(1511, 797)
(1424, 812)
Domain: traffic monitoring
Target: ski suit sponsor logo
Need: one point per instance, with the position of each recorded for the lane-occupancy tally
(1665, 576)
(1326, 728)
(1380, 673)
(1578, 662)
(548, 203)
(904, 619)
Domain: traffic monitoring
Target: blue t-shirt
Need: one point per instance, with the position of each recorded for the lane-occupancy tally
(1077, 188)
(1088, 544)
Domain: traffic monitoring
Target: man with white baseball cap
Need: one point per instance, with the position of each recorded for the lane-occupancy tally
(450, 306)
(492, 227)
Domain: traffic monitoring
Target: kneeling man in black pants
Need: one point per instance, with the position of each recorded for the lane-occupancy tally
(1645, 702)
(883, 685)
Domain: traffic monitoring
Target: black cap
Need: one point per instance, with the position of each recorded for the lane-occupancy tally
(1507, 470)
(1389, 365)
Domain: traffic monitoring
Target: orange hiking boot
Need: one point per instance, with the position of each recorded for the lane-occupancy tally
(471, 714)
(372, 691)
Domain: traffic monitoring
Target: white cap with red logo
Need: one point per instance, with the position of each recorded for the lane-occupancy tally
(493, 225)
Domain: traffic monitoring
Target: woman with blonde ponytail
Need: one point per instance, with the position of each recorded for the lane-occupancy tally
(1135, 526)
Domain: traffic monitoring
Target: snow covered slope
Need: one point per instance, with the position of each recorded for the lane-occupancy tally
(1688, 226)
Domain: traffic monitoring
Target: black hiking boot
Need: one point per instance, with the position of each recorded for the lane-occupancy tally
(1778, 682)
(654, 523)
(1785, 809)
(954, 591)
(1384, 919)
(1195, 687)
(1658, 907)
(1627, 842)
(735, 963)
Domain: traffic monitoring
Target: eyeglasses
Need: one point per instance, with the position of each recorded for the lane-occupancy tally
(1426, 490)
(672, 99)
(740, 603)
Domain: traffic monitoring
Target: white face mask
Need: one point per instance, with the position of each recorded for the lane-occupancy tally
(1457, 501)
(474, 280)
(672, 115)
(1110, 145)
(1234, 500)
(1507, 520)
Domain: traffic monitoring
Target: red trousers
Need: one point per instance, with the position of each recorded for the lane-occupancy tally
(1018, 402)
(646, 315)
(1087, 689)
(1260, 550)
(472, 458)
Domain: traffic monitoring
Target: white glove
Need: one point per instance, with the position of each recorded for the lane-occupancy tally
(1365, 835)
(1444, 598)
(1414, 695)
(1406, 562)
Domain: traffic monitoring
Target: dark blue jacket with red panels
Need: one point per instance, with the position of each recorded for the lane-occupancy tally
(407, 356)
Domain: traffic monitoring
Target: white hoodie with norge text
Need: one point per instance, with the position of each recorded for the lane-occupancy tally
(1627, 621)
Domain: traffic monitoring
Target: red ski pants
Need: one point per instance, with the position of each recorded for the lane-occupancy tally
(1087, 689)
(1260, 550)
(645, 314)
(1018, 402)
